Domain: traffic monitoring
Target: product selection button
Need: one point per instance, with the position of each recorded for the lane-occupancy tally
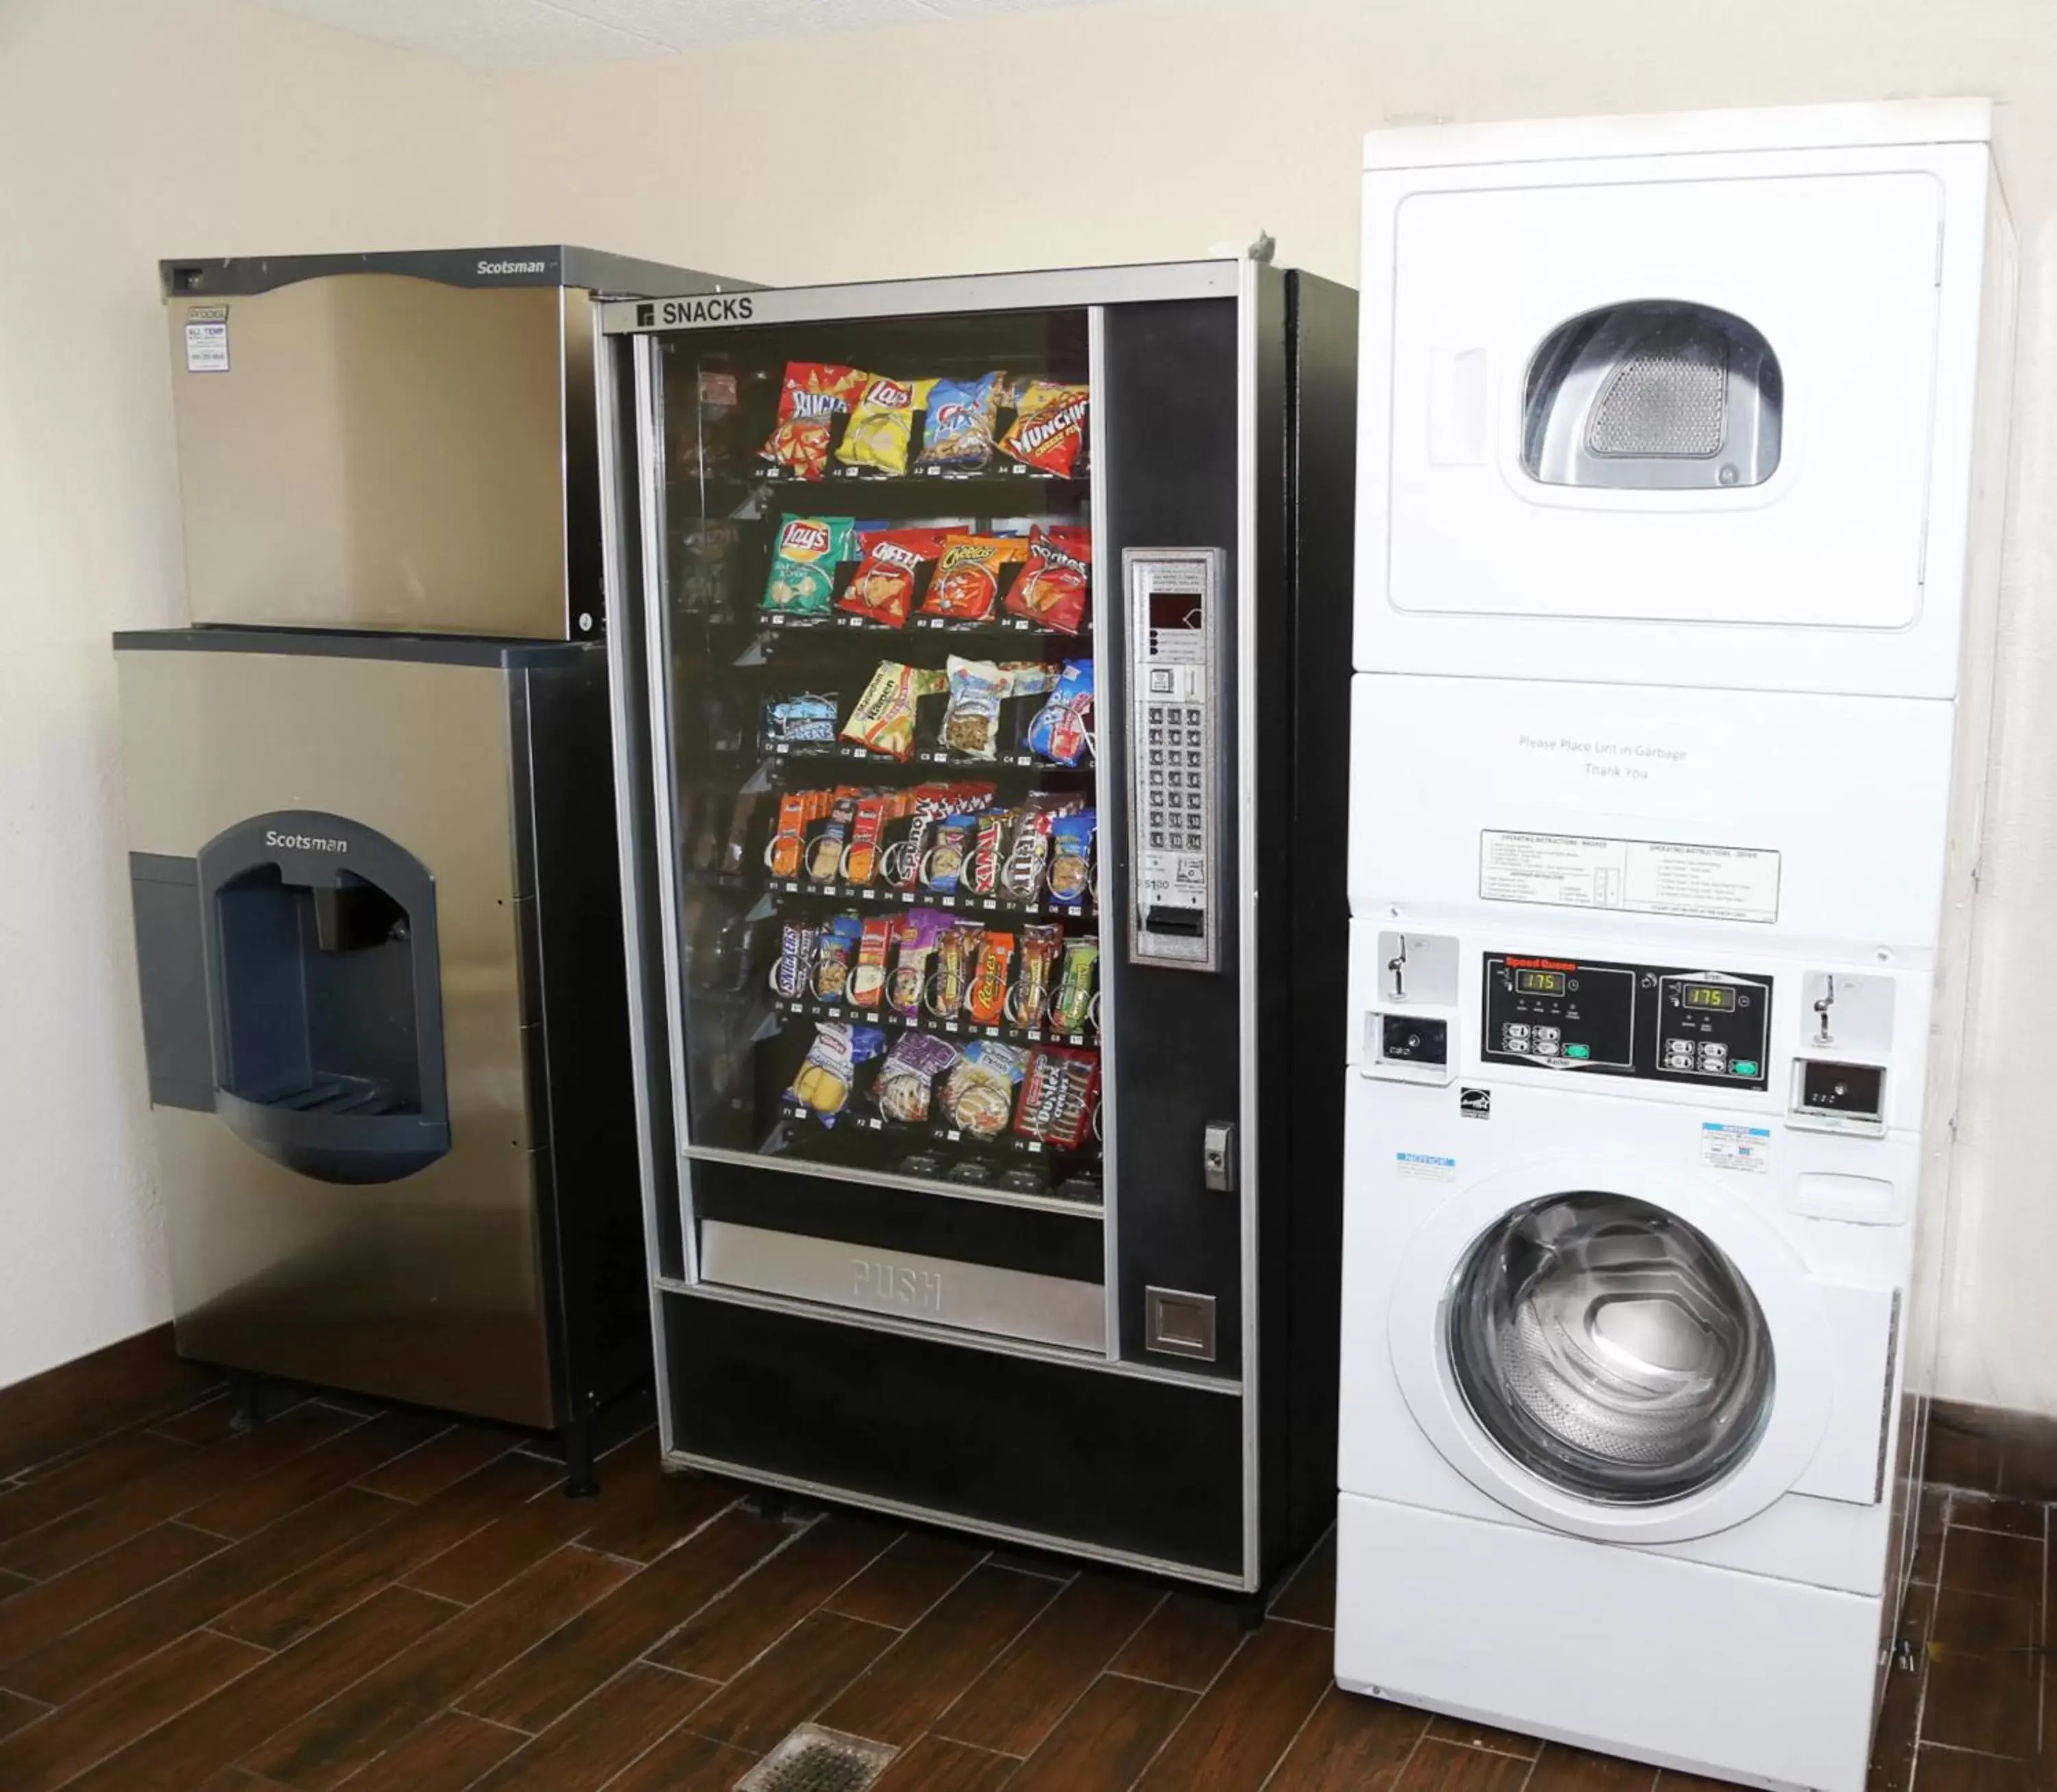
(1578, 1051)
(1745, 1066)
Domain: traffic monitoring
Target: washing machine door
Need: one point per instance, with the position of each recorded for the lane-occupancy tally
(1612, 1355)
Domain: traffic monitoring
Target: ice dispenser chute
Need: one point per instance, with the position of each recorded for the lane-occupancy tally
(1653, 395)
(323, 974)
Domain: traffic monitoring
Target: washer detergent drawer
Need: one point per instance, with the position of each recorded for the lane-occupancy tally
(1696, 401)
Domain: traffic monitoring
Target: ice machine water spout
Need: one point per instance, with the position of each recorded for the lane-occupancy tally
(322, 968)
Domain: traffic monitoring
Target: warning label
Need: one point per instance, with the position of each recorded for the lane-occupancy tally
(1734, 1147)
(1424, 1167)
(1635, 876)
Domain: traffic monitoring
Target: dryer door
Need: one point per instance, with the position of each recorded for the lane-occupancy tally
(1613, 1357)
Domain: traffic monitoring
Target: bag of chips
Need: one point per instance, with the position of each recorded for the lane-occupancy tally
(881, 426)
(815, 394)
(1052, 591)
(1062, 729)
(803, 563)
(978, 1094)
(884, 717)
(1049, 427)
(968, 577)
(906, 1080)
(962, 415)
(807, 720)
(891, 561)
(828, 1072)
(971, 724)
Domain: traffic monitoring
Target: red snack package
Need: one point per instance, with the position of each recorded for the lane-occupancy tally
(987, 999)
(1052, 592)
(1049, 428)
(867, 976)
(1057, 1100)
(890, 561)
(968, 576)
(814, 393)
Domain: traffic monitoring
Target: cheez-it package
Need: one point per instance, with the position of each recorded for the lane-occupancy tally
(814, 393)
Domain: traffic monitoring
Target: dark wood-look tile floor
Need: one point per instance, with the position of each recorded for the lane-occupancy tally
(350, 1599)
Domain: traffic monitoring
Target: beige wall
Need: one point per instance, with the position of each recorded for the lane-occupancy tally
(134, 129)
(129, 130)
(1156, 128)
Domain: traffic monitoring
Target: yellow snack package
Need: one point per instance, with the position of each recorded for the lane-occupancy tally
(881, 425)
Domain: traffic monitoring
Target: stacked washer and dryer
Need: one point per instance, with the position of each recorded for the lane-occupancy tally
(1682, 452)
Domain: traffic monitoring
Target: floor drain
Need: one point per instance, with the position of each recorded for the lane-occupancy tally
(813, 1759)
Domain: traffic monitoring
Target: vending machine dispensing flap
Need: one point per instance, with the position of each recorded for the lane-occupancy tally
(1175, 757)
(325, 994)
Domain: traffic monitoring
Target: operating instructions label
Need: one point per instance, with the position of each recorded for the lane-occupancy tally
(1635, 876)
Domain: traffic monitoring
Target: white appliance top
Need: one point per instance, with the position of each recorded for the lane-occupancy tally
(1881, 123)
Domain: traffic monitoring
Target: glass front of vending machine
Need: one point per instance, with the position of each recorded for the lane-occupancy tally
(980, 661)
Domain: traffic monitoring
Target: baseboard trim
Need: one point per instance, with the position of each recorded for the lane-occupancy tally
(1992, 1449)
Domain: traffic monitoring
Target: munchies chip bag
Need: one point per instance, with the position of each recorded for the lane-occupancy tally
(1049, 427)
(815, 392)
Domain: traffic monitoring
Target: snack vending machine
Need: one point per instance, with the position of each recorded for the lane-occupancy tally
(980, 650)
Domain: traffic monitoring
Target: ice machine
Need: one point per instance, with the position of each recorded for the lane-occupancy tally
(373, 854)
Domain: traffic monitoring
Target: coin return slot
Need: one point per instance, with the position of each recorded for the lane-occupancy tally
(1178, 1324)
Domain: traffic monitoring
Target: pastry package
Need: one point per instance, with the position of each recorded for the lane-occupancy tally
(978, 1093)
(828, 1073)
(824, 858)
(803, 562)
(919, 930)
(962, 416)
(815, 392)
(971, 723)
(890, 563)
(905, 1084)
(836, 947)
(1049, 431)
(1062, 729)
(884, 718)
(1069, 875)
(867, 975)
(881, 426)
(1054, 585)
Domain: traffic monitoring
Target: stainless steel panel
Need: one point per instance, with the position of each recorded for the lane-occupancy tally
(428, 1288)
(381, 452)
(1053, 289)
(971, 1296)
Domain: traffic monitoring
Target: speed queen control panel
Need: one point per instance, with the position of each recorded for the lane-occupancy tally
(1173, 614)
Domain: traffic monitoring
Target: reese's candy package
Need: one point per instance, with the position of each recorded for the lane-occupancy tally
(986, 1000)
(962, 416)
(1062, 729)
(1049, 427)
(966, 585)
(971, 724)
(1053, 589)
(884, 717)
(803, 563)
(829, 1071)
(815, 392)
(881, 426)
(978, 1094)
(906, 1080)
(890, 563)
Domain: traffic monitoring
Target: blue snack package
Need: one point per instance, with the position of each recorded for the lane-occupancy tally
(963, 415)
(1062, 729)
(1070, 876)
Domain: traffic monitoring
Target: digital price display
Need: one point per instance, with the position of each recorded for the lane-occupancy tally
(1707, 995)
(1540, 983)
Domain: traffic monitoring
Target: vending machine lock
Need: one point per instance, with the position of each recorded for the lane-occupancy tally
(1218, 1156)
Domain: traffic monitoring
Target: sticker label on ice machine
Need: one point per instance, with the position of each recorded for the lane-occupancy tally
(1734, 1147)
(207, 339)
(1421, 1166)
(1637, 876)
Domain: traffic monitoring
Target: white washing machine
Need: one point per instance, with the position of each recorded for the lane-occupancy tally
(1668, 739)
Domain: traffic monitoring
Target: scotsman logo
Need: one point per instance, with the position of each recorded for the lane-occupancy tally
(304, 843)
(513, 268)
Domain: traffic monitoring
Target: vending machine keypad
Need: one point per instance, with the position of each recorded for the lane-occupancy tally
(1173, 601)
